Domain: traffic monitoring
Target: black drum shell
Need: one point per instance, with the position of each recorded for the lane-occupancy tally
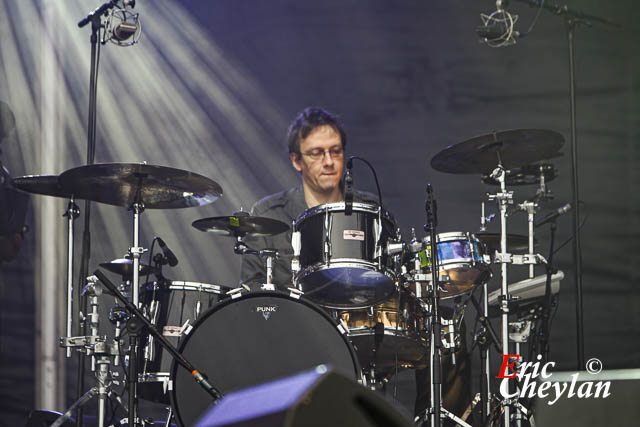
(246, 341)
(352, 276)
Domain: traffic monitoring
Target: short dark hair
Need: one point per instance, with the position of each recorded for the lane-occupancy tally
(306, 121)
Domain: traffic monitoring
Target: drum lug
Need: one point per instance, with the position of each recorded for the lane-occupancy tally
(295, 293)
(235, 293)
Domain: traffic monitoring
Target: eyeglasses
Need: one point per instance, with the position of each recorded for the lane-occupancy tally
(318, 154)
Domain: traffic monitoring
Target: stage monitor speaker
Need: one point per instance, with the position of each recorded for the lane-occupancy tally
(315, 398)
(588, 406)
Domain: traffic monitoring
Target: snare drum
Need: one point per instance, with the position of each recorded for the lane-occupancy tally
(460, 263)
(256, 338)
(343, 261)
(173, 308)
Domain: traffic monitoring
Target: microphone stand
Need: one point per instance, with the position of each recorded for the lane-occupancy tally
(573, 18)
(95, 19)
(436, 330)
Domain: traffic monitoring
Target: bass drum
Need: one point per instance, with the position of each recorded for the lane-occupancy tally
(253, 339)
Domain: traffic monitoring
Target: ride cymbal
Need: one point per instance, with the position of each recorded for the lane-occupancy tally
(123, 184)
(513, 148)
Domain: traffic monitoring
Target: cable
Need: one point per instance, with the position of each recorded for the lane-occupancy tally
(375, 176)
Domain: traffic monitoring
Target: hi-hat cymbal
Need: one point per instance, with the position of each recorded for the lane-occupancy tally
(47, 185)
(241, 225)
(514, 148)
(123, 184)
(124, 267)
(525, 175)
(516, 243)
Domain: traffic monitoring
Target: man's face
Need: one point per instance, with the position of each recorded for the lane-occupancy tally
(320, 165)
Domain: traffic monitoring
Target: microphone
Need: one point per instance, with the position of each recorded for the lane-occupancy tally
(497, 29)
(348, 189)
(123, 26)
(553, 215)
(171, 258)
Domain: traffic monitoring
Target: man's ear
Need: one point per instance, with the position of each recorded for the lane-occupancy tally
(295, 161)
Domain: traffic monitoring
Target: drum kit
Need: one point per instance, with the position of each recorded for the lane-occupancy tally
(362, 295)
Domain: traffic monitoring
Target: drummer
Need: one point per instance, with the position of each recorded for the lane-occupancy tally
(317, 144)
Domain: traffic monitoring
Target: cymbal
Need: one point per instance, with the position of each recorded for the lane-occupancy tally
(124, 267)
(515, 148)
(47, 185)
(157, 187)
(241, 225)
(525, 175)
(516, 243)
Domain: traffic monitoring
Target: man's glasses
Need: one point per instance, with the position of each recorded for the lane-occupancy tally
(318, 154)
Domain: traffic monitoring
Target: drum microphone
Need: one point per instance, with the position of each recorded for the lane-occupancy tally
(348, 189)
(553, 215)
(171, 258)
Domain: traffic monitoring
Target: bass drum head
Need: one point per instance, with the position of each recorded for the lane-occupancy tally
(254, 339)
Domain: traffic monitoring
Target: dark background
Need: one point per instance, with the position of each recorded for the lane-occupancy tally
(212, 86)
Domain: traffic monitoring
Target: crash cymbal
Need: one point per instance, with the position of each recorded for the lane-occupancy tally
(241, 225)
(46, 185)
(124, 267)
(525, 175)
(515, 148)
(516, 243)
(157, 187)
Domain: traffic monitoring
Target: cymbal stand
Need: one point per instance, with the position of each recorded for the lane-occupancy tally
(241, 248)
(504, 198)
(101, 351)
(72, 213)
(134, 327)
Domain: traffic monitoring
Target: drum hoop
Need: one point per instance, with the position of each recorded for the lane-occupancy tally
(340, 207)
(341, 263)
(183, 285)
(278, 294)
(451, 236)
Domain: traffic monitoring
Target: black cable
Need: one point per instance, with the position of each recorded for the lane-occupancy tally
(584, 220)
(535, 19)
(375, 176)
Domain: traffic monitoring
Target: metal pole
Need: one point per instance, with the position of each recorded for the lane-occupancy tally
(577, 258)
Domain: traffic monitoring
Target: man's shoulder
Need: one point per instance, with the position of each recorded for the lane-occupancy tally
(366, 197)
(274, 201)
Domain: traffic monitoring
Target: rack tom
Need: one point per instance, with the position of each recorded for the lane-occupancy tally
(342, 258)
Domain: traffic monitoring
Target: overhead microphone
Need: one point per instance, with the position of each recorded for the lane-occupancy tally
(171, 257)
(123, 26)
(497, 29)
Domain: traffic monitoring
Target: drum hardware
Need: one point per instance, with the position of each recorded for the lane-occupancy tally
(136, 323)
(49, 185)
(138, 186)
